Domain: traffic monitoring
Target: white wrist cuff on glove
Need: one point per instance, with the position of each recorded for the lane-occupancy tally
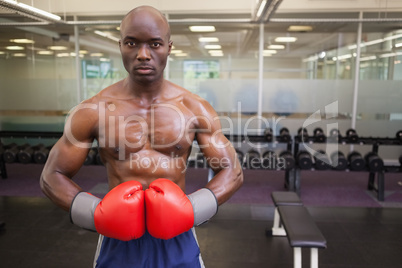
(205, 205)
(82, 210)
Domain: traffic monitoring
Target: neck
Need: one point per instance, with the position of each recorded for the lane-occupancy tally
(148, 91)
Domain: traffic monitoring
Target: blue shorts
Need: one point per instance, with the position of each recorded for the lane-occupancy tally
(149, 252)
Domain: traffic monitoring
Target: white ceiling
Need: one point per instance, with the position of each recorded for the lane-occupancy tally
(107, 7)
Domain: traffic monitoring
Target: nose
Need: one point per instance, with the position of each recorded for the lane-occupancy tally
(143, 53)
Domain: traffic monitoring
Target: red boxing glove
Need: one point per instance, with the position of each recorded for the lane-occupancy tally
(121, 213)
(169, 211)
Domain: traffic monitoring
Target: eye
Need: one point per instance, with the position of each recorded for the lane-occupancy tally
(130, 43)
(155, 44)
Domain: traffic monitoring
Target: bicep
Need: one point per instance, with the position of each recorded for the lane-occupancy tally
(69, 153)
(64, 161)
(217, 150)
(66, 157)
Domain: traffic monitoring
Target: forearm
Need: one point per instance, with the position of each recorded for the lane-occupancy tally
(226, 182)
(63, 163)
(60, 189)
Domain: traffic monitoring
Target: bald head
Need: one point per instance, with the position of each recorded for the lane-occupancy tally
(145, 40)
(148, 12)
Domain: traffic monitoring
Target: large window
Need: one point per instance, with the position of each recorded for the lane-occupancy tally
(41, 75)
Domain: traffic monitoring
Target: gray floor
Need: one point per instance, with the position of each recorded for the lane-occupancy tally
(38, 234)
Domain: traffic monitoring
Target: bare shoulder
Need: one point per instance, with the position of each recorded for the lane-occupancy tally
(113, 91)
(205, 117)
(193, 102)
(91, 105)
(84, 118)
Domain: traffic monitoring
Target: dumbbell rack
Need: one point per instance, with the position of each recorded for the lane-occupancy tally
(379, 186)
(289, 173)
(24, 135)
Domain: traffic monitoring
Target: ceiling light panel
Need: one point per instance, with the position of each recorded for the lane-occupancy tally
(216, 52)
(300, 28)
(175, 51)
(212, 46)
(29, 11)
(45, 52)
(208, 39)
(98, 54)
(19, 55)
(57, 48)
(14, 48)
(269, 51)
(276, 47)
(261, 8)
(22, 41)
(202, 28)
(285, 39)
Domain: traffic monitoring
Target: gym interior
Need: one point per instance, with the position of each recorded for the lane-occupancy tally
(308, 92)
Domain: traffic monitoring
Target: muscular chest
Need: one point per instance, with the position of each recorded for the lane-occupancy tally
(167, 128)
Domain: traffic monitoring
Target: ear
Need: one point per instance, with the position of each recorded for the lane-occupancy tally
(170, 46)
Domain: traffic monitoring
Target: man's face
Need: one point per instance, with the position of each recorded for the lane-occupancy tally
(144, 46)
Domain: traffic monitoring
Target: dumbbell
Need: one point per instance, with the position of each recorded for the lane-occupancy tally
(10, 153)
(284, 135)
(253, 160)
(28, 154)
(269, 160)
(339, 161)
(91, 157)
(352, 135)
(304, 160)
(319, 135)
(268, 134)
(374, 162)
(303, 134)
(335, 135)
(289, 160)
(356, 161)
(25, 154)
(321, 160)
(399, 135)
(40, 154)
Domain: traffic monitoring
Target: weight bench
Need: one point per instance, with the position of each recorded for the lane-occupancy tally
(293, 220)
(282, 199)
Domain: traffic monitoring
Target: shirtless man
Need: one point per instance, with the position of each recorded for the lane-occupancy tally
(144, 126)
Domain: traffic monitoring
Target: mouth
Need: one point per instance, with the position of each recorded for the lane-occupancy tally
(144, 69)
